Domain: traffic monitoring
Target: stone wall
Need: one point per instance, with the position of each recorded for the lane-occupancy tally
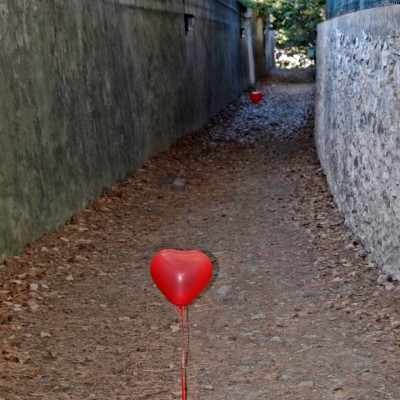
(358, 125)
(89, 90)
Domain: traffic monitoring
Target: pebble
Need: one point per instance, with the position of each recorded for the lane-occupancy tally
(33, 306)
(178, 182)
(307, 384)
(285, 378)
(340, 393)
(389, 286)
(258, 316)
(125, 319)
(395, 324)
(223, 290)
(33, 287)
(382, 278)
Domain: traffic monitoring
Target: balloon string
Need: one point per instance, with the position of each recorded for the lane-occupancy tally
(183, 359)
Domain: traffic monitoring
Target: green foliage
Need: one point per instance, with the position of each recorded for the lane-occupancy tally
(295, 21)
(248, 3)
(261, 6)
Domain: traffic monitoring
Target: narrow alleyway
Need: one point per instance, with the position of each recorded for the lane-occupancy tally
(294, 310)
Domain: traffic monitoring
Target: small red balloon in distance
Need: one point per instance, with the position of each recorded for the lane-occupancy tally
(255, 97)
(180, 275)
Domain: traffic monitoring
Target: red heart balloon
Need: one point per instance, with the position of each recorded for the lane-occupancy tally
(256, 97)
(180, 275)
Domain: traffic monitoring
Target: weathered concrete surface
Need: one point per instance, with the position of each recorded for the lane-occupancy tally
(269, 50)
(358, 124)
(90, 90)
(260, 39)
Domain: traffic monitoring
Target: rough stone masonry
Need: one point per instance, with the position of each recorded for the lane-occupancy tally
(358, 125)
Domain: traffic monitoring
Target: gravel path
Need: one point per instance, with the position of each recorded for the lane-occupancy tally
(293, 311)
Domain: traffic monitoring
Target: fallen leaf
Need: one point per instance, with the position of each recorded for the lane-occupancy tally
(340, 393)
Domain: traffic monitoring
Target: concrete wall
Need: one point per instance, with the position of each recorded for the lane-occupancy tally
(269, 50)
(89, 90)
(259, 45)
(358, 124)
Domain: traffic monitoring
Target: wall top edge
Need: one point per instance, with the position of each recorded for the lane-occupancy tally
(175, 6)
(155, 5)
(380, 20)
(386, 9)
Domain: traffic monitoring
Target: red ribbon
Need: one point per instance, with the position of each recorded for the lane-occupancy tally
(183, 359)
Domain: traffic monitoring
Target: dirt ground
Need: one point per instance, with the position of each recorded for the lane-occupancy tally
(294, 309)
